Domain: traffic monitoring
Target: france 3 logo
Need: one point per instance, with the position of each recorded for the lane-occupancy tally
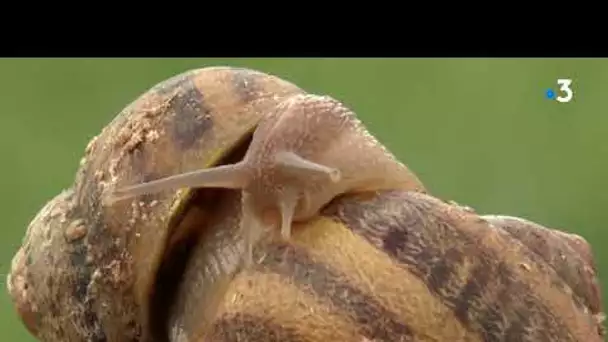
(564, 93)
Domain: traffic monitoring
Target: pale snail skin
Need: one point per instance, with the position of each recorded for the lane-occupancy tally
(305, 153)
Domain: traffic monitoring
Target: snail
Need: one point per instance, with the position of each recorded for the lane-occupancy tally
(386, 265)
(307, 151)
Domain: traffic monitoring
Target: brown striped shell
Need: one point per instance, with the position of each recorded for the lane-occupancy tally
(193, 120)
(387, 266)
(397, 266)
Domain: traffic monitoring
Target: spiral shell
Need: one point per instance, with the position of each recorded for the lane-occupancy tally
(190, 121)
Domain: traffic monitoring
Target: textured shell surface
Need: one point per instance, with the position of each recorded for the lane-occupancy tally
(189, 121)
(394, 266)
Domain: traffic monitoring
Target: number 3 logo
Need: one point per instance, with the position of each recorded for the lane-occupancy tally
(564, 84)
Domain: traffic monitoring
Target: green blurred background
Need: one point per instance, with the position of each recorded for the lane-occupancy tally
(477, 131)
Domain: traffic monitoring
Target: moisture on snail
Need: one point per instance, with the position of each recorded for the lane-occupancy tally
(306, 152)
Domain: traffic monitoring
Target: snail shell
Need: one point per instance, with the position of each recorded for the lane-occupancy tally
(190, 121)
(394, 266)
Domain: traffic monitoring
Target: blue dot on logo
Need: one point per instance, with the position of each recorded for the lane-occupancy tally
(550, 94)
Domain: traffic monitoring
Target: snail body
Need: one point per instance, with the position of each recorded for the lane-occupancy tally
(304, 153)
